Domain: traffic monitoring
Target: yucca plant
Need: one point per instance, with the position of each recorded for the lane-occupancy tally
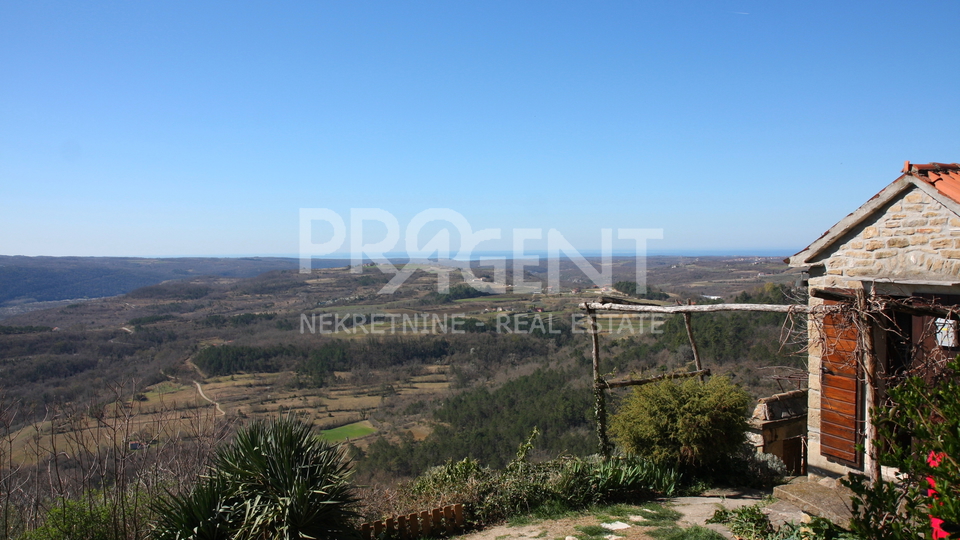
(276, 481)
(203, 514)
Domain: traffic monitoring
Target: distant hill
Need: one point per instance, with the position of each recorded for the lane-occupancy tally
(44, 279)
(327, 347)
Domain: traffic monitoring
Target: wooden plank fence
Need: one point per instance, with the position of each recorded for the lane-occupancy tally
(436, 522)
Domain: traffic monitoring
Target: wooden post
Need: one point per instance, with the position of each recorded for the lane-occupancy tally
(414, 524)
(600, 398)
(693, 344)
(425, 524)
(437, 519)
(402, 527)
(870, 462)
(448, 518)
(365, 531)
(377, 529)
(458, 514)
(390, 529)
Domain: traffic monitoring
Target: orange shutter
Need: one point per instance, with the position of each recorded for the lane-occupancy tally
(841, 410)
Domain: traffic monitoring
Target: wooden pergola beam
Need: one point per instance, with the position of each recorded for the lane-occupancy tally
(892, 303)
(640, 382)
(708, 308)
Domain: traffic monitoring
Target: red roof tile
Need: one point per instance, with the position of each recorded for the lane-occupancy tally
(943, 176)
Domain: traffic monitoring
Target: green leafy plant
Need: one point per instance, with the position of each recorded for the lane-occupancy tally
(750, 523)
(930, 415)
(592, 481)
(747, 522)
(76, 520)
(692, 425)
(277, 480)
(544, 489)
(203, 514)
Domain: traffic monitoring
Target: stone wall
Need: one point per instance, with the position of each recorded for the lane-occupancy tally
(913, 237)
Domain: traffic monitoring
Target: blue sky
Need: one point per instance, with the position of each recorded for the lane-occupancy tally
(188, 128)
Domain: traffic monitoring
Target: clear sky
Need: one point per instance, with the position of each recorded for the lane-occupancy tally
(201, 128)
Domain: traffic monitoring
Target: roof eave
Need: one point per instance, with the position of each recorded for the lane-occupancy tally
(803, 258)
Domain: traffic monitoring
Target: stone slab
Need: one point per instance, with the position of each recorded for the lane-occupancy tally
(829, 502)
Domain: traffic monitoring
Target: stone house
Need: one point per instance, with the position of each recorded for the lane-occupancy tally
(898, 258)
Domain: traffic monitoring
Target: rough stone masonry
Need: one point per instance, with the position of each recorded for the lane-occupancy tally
(913, 237)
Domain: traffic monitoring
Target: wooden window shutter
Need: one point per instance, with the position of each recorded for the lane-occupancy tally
(841, 391)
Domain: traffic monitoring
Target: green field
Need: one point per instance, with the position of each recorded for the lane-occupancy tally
(349, 431)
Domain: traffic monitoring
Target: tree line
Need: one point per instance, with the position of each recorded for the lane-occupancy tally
(488, 425)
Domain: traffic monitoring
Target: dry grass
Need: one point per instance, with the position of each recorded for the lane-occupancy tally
(174, 404)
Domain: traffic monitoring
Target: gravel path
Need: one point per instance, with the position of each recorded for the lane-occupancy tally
(204, 396)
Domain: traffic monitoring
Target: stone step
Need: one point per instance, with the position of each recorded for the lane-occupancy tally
(827, 501)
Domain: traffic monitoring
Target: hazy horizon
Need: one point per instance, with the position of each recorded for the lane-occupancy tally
(591, 254)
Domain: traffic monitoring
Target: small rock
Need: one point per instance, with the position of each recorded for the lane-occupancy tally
(636, 518)
(571, 538)
(613, 537)
(829, 482)
(615, 526)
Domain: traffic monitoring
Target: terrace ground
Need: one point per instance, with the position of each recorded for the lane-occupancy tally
(641, 519)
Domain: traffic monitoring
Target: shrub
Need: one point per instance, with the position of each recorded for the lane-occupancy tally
(768, 470)
(750, 468)
(108, 514)
(522, 488)
(691, 425)
(277, 480)
(203, 514)
(588, 481)
(488, 495)
(76, 520)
